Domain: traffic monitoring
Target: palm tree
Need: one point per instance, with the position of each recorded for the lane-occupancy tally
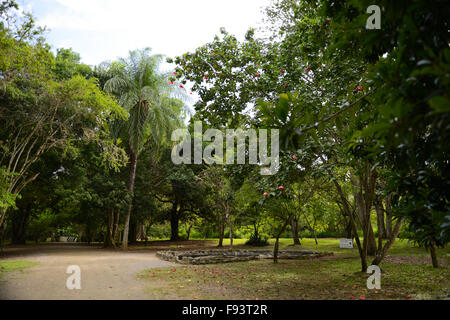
(153, 109)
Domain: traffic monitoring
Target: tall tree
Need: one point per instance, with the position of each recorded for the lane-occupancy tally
(144, 92)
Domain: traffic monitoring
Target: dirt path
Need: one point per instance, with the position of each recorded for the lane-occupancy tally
(105, 274)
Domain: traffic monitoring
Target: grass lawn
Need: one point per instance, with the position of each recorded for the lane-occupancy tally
(407, 274)
(15, 265)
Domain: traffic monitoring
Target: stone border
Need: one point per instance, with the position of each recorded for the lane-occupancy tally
(223, 256)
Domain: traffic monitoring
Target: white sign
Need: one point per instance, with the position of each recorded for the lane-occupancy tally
(346, 243)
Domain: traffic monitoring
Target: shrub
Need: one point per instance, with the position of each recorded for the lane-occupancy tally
(258, 241)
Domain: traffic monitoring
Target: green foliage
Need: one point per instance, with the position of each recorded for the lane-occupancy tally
(7, 199)
(410, 62)
(351, 105)
(257, 241)
(67, 65)
(144, 93)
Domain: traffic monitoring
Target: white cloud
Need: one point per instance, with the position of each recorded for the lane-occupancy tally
(105, 29)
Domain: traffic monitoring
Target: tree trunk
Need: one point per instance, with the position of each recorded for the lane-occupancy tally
(174, 222)
(88, 235)
(221, 233)
(364, 199)
(372, 242)
(2, 216)
(295, 231)
(132, 235)
(189, 231)
(231, 233)
(230, 224)
(2, 236)
(380, 223)
(141, 235)
(275, 250)
(315, 237)
(382, 253)
(277, 241)
(109, 240)
(346, 207)
(434, 259)
(369, 244)
(348, 229)
(133, 165)
(387, 204)
(116, 227)
(256, 233)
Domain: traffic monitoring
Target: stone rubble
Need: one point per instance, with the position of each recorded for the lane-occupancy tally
(222, 256)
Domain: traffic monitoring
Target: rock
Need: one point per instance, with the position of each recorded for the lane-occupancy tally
(222, 256)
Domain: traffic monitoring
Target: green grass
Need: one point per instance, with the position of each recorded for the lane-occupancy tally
(401, 247)
(15, 265)
(407, 274)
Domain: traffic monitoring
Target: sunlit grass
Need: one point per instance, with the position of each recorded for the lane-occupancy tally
(15, 265)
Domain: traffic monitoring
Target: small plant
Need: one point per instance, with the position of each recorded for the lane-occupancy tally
(257, 241)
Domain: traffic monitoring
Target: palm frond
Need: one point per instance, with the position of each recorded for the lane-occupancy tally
(155, 109)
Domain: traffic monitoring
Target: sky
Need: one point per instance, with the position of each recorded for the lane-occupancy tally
(103, 30)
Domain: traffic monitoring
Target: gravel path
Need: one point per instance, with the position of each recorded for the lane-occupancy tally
(105, 274)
